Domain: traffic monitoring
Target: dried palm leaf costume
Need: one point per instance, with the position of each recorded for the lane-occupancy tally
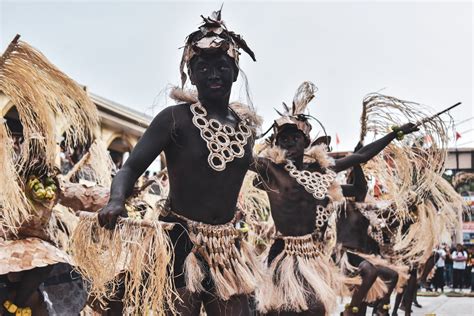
(416, 210)
(299, 269)
(423, 203)
(46, 100)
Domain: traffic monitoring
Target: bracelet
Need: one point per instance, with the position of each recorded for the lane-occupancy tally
(398, 132)
(386, 307)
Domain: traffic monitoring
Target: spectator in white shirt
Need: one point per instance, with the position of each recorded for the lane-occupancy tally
(459, 265)
(438, 280)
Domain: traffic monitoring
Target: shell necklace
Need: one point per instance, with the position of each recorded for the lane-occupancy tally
(316, 184)
(223, 141)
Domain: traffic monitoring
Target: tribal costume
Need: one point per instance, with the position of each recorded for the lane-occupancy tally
(375, 239)
(300, 272)
(212, 258)
(30, 238)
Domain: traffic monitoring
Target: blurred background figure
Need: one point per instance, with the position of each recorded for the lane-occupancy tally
(459, 257)
(438, 280)
(448, 269)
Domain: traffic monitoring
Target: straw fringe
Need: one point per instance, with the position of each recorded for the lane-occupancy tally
(46, 100)
(193, 273)
(461, 178)
(319, 154)
(28, 78)
(14, 206)
(143, 252)
(408, 167)
(274, 153)
(298, 275)
(233, 271)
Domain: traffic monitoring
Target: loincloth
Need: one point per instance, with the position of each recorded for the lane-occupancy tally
(213, 258)
(29, 253)
(298, 276)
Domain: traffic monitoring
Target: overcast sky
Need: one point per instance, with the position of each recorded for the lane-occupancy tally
(128, 51)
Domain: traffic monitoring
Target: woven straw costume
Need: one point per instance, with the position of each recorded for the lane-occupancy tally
(418, 208)
(48, 103)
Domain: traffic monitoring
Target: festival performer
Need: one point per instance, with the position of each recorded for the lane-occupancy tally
(303, 195)
(32, 260)
(208, 147)
(357, 254)
(422, 206)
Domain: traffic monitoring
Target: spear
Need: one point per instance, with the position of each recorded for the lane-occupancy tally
(427, 119)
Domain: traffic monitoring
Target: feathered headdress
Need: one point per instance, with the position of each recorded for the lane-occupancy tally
(296, 115)
(212, 34)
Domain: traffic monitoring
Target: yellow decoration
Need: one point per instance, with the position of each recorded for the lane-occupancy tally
(10, 307)
(24, 311)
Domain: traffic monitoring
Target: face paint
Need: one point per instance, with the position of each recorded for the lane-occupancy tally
(293, 141)
(213, 75)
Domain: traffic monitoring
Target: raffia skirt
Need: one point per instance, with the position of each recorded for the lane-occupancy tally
(299, 275)
(213, 258)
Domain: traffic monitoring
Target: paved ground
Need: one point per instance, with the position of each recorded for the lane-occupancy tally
(439, 306)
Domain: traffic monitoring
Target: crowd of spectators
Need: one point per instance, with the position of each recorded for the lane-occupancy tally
(453, 268)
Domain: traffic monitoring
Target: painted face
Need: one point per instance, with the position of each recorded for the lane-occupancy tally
(213, 75)
(292, 140)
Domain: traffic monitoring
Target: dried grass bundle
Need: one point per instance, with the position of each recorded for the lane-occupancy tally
(405, 168)
(140, 250)
(435, 220)
(48, 103)
(45, 99)
(14, 206)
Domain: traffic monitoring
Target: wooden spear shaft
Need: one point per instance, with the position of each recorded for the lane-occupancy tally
(427, 119)
(129, 221)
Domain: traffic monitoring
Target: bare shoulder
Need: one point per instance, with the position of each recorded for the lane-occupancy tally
(172, 116)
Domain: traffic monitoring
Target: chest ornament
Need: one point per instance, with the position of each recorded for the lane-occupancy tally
(314, 183)
(224, 142)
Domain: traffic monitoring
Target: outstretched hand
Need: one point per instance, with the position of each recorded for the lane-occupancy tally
(409, 128)
(108, 216)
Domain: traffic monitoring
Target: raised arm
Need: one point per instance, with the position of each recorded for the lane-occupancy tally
(369, 151)
(150, 145)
